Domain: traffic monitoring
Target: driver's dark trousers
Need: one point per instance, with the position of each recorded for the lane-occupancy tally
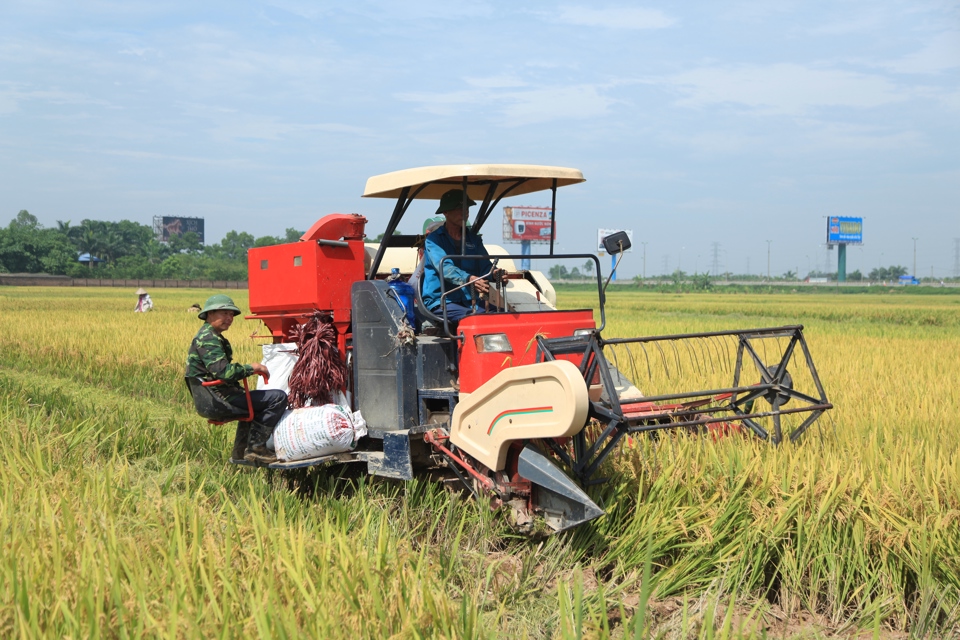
(268, 408)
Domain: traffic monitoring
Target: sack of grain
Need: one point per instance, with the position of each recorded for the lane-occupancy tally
(312, 432)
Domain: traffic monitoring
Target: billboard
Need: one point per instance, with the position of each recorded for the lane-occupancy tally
(527, 224)
(170, 226)
(842, 230)
(603, 233)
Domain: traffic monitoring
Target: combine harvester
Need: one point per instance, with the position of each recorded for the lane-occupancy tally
(522, 405)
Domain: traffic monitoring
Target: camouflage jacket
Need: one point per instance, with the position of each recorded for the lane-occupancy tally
(211, 357)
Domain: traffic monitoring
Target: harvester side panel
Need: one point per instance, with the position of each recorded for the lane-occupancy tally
(388, 368)
(384, 368)
(545, 400)
(522, 329)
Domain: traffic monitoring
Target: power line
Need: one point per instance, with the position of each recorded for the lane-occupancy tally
(715, 263)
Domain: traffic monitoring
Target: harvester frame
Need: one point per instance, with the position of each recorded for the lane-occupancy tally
(505, 400)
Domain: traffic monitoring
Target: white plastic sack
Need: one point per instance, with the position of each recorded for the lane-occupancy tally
(312, 432)
(279, 360)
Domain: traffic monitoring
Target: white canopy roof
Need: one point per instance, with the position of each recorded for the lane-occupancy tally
(440, 179)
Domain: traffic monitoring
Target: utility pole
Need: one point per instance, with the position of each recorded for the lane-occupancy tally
(715, 247)
(768, 259)
(644, 260)
(914, 274)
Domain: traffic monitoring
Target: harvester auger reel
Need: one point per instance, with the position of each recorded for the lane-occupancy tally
(765, 355)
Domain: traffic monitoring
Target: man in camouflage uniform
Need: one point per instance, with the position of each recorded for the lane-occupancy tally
(211, 358)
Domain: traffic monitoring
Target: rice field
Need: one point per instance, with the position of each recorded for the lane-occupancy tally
(122, 518)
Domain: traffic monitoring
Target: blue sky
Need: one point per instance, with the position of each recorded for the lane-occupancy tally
(694, 123)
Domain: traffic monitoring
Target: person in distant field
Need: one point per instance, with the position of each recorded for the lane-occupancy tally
(194, 308)
(446, 241)
(144, 303)
(211, 358)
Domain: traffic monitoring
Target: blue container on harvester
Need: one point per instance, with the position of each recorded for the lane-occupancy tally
(404, 295)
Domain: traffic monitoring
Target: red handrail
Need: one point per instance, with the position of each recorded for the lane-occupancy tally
(246, 391)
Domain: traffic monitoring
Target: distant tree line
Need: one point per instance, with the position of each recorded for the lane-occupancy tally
(124, 249)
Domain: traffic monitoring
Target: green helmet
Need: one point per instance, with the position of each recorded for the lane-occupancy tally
(217, 302)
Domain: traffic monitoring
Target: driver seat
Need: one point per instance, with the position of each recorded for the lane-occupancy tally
(430, 323)
(211, 406)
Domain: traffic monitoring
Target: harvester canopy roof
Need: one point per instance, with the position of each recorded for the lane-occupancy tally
(485, 183)
(429, 183)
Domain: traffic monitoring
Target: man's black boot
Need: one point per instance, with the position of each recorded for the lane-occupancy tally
(257, 451)
(240, 441)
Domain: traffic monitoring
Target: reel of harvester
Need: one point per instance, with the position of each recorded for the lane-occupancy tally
(719, 382)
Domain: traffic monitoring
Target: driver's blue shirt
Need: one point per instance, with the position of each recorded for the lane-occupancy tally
(455, 272)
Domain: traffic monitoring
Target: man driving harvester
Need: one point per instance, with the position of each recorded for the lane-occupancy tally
(211, 358)
(455, 238)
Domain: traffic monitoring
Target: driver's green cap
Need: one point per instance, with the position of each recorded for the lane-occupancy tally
(453, 199)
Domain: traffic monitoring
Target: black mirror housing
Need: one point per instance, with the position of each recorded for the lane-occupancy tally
(616, 242)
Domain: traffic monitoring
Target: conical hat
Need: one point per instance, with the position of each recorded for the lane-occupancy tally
(141, 291)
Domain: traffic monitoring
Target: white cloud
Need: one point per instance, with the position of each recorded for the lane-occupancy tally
(307, 10)
(783, 88)
(857, 137)
(940, 53)
(496, 82)
(530, 106)
(11, 97)
(555, 103)
(858, 24)
(249, 127)
(718, 142)
(615, 17)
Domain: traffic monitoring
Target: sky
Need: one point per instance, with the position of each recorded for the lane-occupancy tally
(714, 131)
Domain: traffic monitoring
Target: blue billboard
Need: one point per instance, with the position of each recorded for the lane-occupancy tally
(841, 230)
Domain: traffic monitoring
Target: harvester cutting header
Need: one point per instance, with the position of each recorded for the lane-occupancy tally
(525, 401)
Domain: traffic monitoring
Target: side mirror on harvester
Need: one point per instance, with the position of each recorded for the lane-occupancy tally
(616, 242)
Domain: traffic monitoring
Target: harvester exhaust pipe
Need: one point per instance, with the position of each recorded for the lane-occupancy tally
(564, 504)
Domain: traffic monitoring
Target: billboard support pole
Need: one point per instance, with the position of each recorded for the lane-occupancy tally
(842, 262)
(525, 251)
(613, 266)
(553, 214)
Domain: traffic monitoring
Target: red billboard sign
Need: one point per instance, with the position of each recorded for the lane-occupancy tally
(527, 224)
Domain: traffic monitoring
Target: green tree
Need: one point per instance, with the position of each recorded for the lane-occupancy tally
(25, 220)
(267, 241)
(292, 235)
(26, 247)
(702, 282)
(558, 272)
(380, 237)
(234, 246)
(188, 242)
